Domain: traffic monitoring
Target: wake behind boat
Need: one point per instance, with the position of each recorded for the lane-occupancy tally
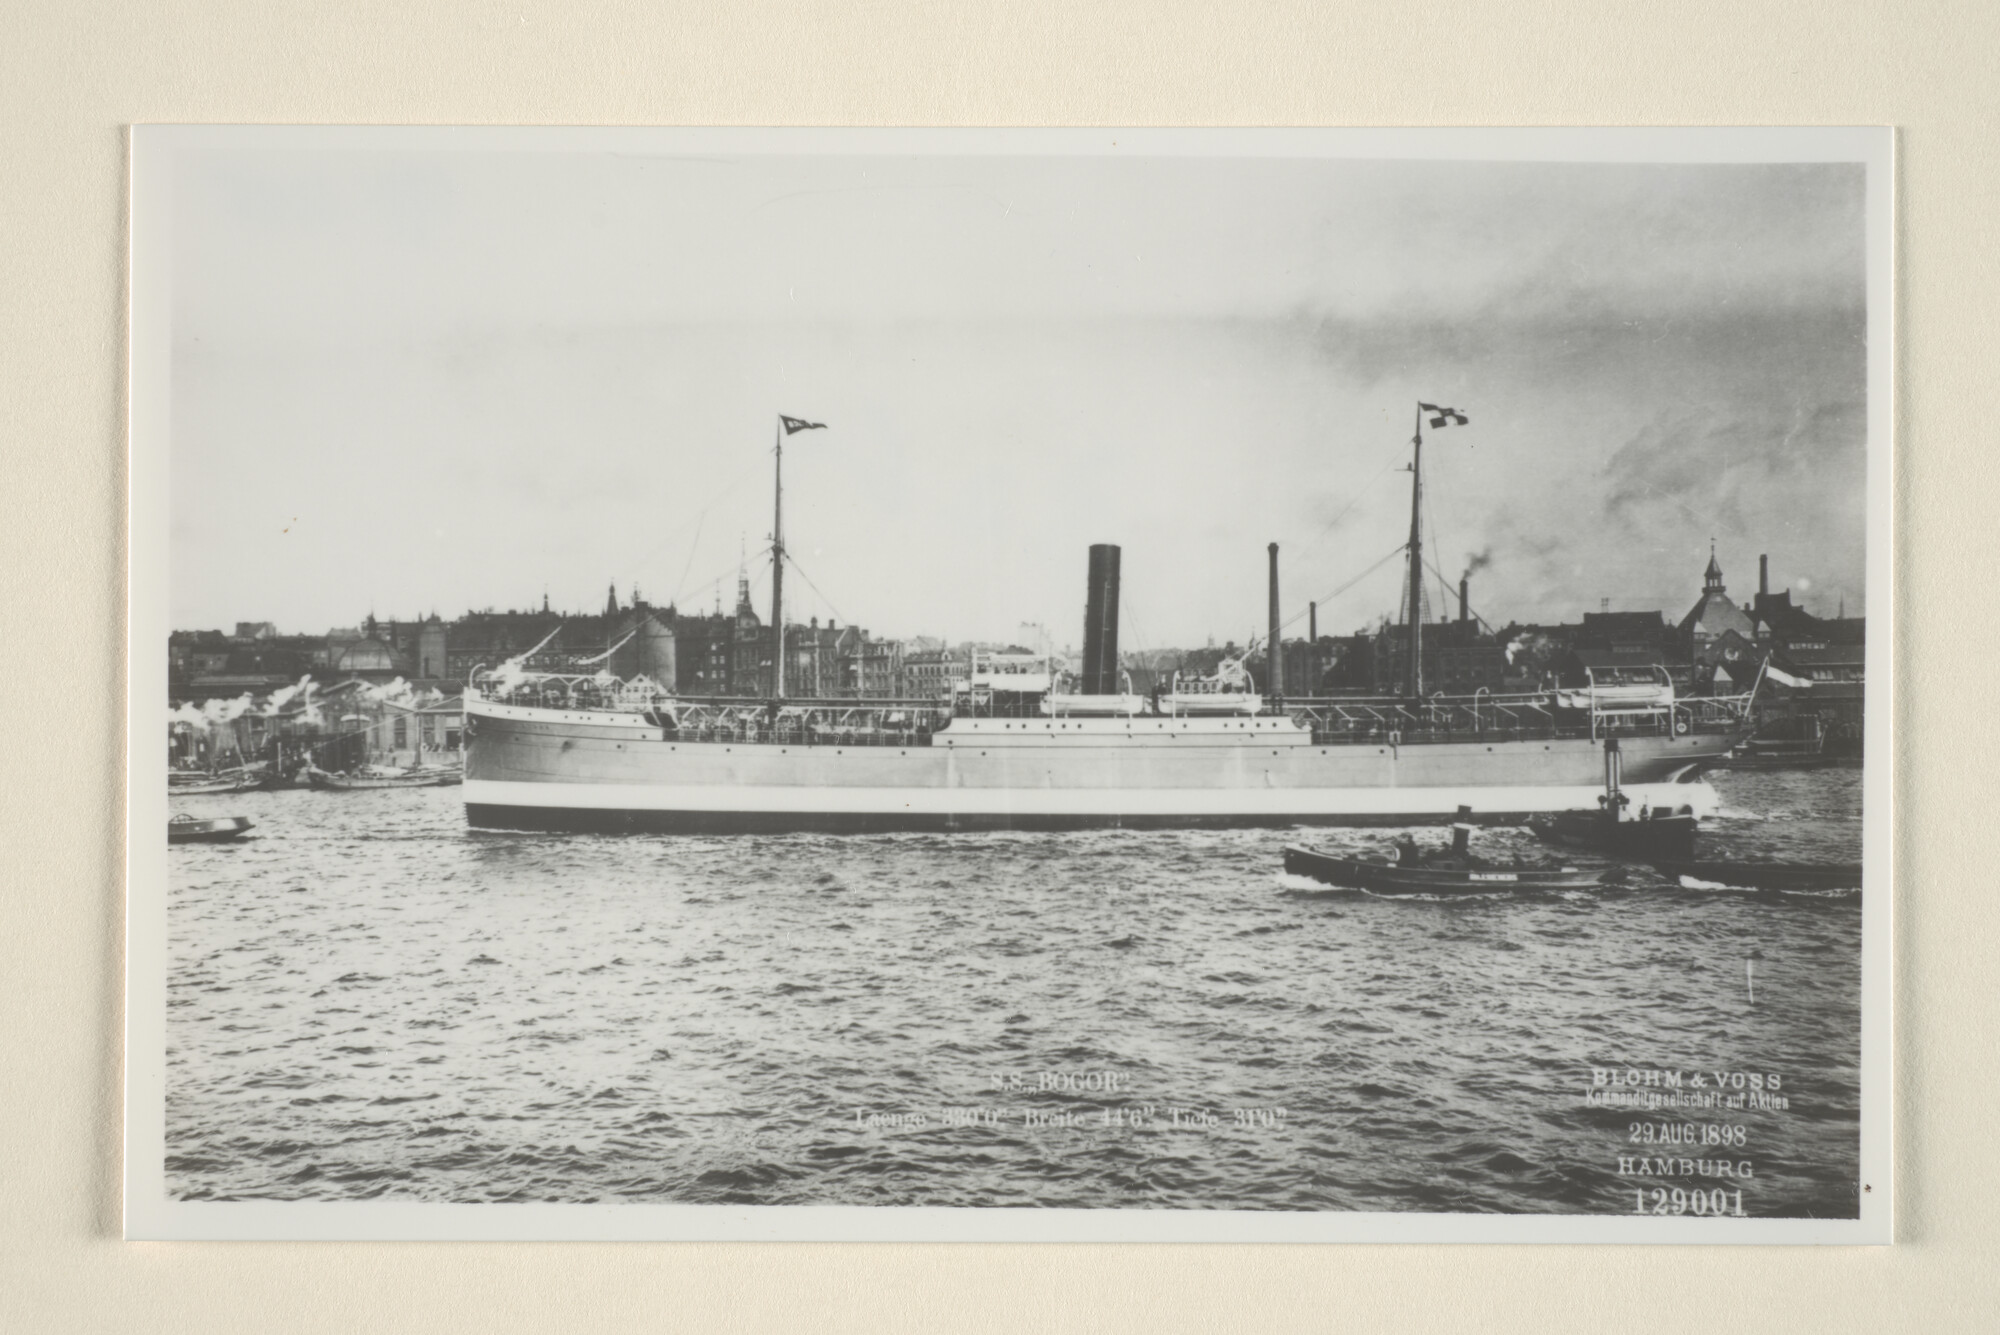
(1749, 875)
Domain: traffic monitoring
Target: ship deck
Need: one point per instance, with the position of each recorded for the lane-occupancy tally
(1299, 722)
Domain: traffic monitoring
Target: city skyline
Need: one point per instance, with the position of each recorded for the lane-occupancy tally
(505, 372)
(1439, 610)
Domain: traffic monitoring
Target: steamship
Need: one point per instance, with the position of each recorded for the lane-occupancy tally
(1019, 750)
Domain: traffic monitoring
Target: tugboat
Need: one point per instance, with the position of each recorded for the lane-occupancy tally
(1653, 834)
(1665, 839)
(1458, 871)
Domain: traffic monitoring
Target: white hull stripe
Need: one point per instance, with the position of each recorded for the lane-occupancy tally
(1071, 802)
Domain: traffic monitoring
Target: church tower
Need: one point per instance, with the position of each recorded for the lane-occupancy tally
(1713, 616)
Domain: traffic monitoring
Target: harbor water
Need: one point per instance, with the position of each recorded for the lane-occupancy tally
(368, 1000)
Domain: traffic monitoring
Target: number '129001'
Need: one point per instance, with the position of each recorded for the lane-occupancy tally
(1676, 1200)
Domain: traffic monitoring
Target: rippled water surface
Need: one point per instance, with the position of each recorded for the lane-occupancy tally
(369, 1000)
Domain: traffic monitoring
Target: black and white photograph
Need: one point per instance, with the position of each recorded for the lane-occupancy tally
(1042, 685)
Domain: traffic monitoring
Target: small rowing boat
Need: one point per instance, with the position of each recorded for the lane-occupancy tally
(239, 783)
(367, 780)
(186, 829)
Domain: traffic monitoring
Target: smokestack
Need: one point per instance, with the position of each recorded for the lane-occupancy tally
(1764, 575)
(1274, 651)
(1100, 623)
(1464, 604)
(1311, 685)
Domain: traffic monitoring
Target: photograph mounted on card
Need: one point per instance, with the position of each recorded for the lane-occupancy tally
(1044, 685)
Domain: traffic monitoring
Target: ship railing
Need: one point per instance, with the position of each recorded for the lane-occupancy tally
(1507, 717)
(881, 722)
(1356, 718)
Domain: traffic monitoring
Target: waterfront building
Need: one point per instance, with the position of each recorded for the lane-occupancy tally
(1818, 665)
(702, 647)
(207, 665)
(934, 675)
(871, 669)
(370, 659)
(1711, 616)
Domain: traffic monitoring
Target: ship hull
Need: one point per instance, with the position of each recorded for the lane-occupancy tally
(538, 769)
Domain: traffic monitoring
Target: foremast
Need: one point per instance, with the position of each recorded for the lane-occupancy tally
(786, 426)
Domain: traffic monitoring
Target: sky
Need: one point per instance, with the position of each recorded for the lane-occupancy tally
(416, 381)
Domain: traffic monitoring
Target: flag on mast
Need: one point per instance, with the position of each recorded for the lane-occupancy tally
(794, 425)
(1442, 416)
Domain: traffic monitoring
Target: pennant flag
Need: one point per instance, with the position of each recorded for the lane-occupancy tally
(1445, 416)
(793, 425)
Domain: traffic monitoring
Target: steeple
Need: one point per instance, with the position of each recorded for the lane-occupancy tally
(611, 601)
(1712, 578)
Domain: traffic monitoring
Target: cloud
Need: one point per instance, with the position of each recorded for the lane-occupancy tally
(1724, 465)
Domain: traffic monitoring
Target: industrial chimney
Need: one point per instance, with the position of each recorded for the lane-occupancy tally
(1464, 603)
(1764, 575)
(1100, 623)
(1311, 685)
(1274, 651)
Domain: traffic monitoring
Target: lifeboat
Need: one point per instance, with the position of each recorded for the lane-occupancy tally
(1093, 706)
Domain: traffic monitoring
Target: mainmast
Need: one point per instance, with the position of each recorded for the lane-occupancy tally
(1415, 676)
(1443, 417)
